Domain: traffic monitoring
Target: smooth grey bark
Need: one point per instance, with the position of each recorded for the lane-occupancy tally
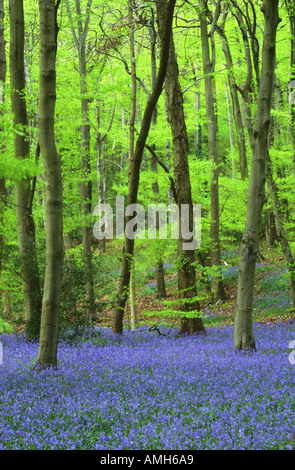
(47, 353)
(3, 64)
(234, 96)
(133, 311)
(270, 231)
(278, 129)
(231, 127)
(2, 148)
(243, 326)
(247, 88)
(290, 4)
(208, 70)
(247, 16)
(186, 257)
(101, 170)
(135, 165)
(85, 185)
(197, 107)
(160, 279)
(282, 236)
(24, 190)
(280, 207)
(101, 164)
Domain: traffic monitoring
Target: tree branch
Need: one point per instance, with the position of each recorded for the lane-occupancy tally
(172, 183)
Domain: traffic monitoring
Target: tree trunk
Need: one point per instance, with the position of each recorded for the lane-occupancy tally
(86, 189)
(101, 172)
(2, 180)
(243, 327)
(133, 307)
(135, 165)
(208, 70)
(47, 354)
(235, 99)
(231, 128)
(85, 186)
(281, 233)
(290, 4)
(160, 279)
(23, 190)
(197, 107)
(190, 323)
(247, 89)
(133, 314)
(271, 234)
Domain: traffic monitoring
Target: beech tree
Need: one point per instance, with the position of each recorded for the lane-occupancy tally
(208, 70)
(134, 171)
(80, 38)
(290, 4)
(133, 312)
(243, 327)
(24, 191)
(233, 92)
(150, 24)
(186, 257)
(2, 89)
(47, 353)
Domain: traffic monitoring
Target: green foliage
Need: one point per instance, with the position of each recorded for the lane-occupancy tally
(5, 327)
(15, 170)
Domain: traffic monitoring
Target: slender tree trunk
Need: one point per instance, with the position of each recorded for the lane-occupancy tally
(133, 307)
(133, 314)
(101, 172)
(231, 128)
(197, 107)
(247, 89)
(101, 166)
(2, 94)
(278, 128)
(243, 327)
(290, 4)
(208, 69)
(86, 189)
(117, 327)
(282, 235)
(47, 354)
(124, 154)
(85, 186)
(186, 257)
(24, 189)
(160, 280)
(271, 233)
(235, 100)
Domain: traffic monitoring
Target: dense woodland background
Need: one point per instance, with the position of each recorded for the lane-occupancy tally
(211, 87)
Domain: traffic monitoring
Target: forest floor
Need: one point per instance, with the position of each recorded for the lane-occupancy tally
(271, 298)
(158, 391)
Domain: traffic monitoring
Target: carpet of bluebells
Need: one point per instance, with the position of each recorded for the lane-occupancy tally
(149, 391)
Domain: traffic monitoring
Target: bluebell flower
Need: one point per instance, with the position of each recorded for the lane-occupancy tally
(150, 392)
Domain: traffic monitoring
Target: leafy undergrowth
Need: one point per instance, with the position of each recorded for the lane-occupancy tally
(271, 304)
(145, 391)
